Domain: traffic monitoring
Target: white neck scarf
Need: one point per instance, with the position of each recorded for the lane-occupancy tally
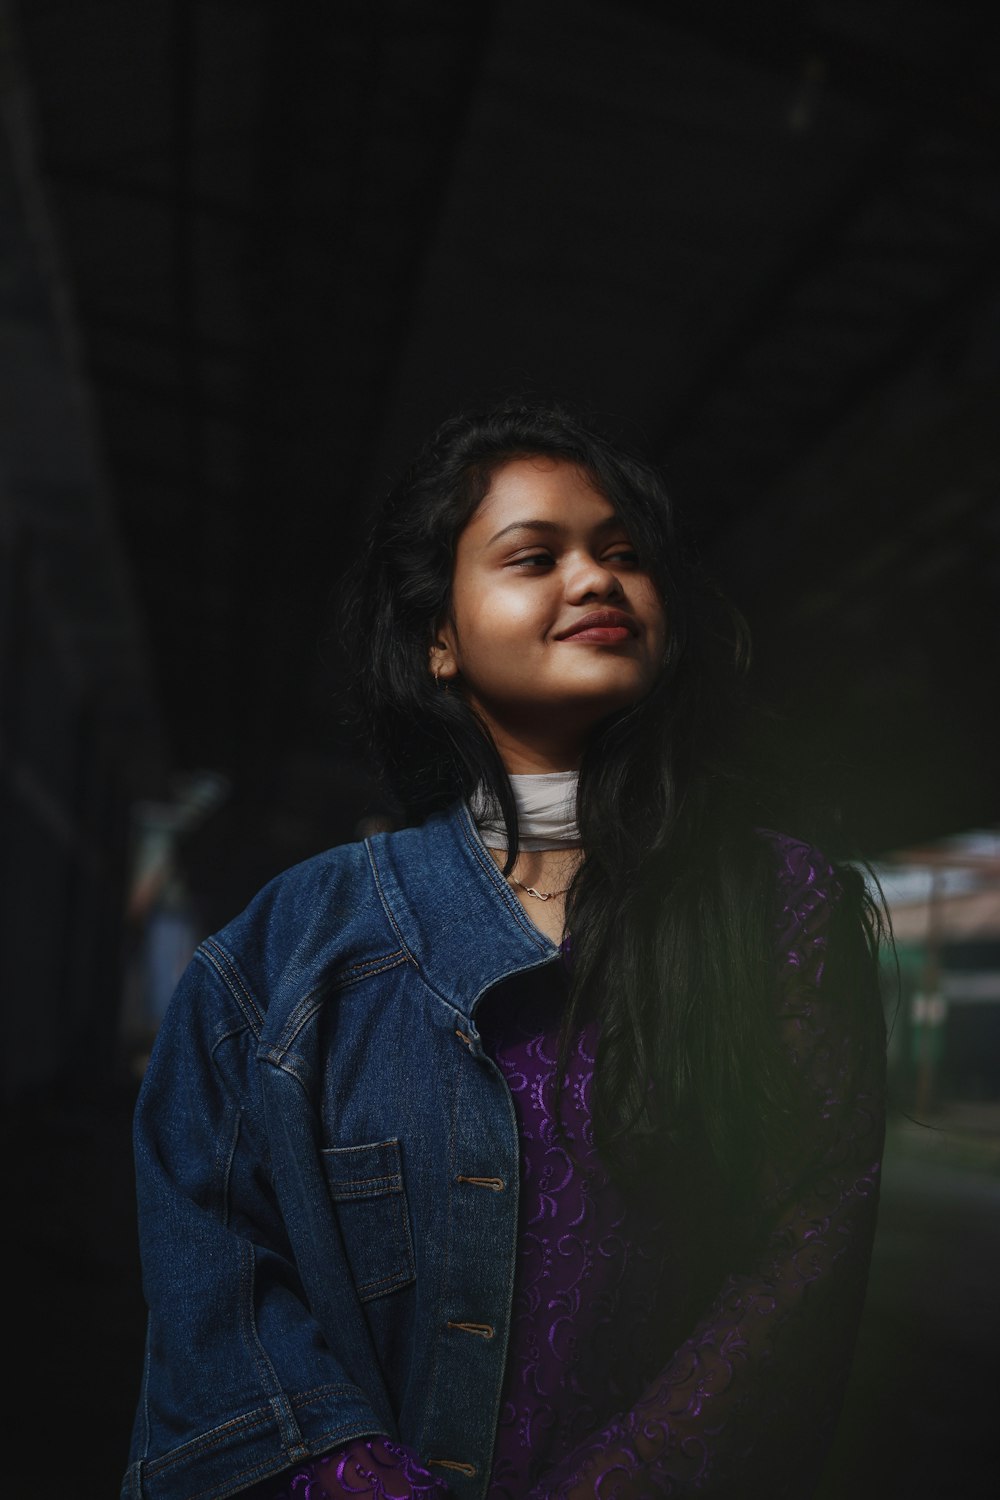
(546, 812)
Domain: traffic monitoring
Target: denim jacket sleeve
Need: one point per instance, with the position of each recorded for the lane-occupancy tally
(239, 1381)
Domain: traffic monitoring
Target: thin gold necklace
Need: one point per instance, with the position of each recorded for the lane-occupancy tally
(538, 895)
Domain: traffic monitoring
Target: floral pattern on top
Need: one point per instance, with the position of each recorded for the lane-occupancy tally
(760, 1306)
(747, 1403)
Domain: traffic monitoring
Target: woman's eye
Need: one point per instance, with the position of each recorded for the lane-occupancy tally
(622, 554)
(533, 560)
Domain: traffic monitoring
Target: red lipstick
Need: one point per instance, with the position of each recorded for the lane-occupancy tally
(602, 626)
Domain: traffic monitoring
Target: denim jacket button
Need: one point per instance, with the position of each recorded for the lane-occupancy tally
(481, 1330)
(495, 1184)
(469, 1470)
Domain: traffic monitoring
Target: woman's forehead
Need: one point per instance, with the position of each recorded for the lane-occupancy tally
(541, 487)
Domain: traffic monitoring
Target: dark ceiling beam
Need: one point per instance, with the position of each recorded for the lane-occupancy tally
(893, 566)
(822, 247)
(447, 103)
(156, 335)
(853, 277)
(173, 398)
(397, 132)
(184, 86)
(248, 214)
(226, 500)
(103, 183)
(922, 330)
(959, 95)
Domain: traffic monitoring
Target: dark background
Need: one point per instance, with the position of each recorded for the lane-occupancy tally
(250, 252)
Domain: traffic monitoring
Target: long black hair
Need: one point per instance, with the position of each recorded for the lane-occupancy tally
(672, 910)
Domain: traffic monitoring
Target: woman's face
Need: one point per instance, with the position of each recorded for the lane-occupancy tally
(554, 621)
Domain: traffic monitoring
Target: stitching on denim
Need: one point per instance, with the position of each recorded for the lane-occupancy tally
(515, 1209)
(289, 1430)
(425, 979)
(344, 1432)
(385, 904)
(369, 968)
(379, 1184)
(387, 960)
(433, 1373)
(223, 965)
(402, 1217)
(226, 1165)
(266, 1372)
(367, 1187)
(260, 1416)
(502, 893)
(233, 979)
(146, 1367)
(387, 1188)
(314, 1000)
(392, 1143)
(369, 1289)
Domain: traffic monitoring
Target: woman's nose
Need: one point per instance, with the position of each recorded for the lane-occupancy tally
(591, 579)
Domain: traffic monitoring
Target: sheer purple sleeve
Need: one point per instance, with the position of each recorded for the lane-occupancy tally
(747, 1404)
(370, 1468)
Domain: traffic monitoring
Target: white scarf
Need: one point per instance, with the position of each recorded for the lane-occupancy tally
(546, 812)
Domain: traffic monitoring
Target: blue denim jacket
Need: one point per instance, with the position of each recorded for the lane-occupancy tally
(319, 1260)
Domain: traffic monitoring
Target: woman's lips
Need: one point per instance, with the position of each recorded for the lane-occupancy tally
(605, 627)
(609, 634)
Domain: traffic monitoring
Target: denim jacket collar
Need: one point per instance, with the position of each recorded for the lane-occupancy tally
(442, 890)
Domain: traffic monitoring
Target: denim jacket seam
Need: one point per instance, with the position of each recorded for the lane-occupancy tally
(233, 1033)
(259, 1416)
(334, 1437)
(433, 1372)
(390, 916)
(145, 1426)
(277, 1400)
(212, 952)
(501, 891)
(226, 1160)
(363, 967)
(281, 1051)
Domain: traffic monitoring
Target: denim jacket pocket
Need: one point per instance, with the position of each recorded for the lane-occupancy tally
(366, 1185)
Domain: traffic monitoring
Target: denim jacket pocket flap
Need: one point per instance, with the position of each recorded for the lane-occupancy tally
(366, 1185)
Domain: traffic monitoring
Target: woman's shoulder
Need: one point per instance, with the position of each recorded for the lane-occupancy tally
(302, 885)
(809, 887)
(314, 917)
(828, 934)
(332, 907)
(800, 866)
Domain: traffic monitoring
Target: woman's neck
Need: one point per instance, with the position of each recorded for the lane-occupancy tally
(546, 812)
(549, 850)
(540, 882)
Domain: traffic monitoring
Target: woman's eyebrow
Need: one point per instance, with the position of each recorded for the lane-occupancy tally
(550, 528)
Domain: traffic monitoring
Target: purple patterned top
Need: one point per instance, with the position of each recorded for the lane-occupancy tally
(590, 1266)
(760, 1310)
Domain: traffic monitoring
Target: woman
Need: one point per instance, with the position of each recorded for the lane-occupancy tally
(531, 1150)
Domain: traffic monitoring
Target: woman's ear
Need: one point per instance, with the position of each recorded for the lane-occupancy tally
(441, 656)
